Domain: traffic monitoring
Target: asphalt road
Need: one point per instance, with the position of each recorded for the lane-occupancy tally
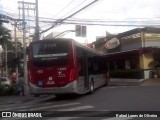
(111, 98)
(125, 98)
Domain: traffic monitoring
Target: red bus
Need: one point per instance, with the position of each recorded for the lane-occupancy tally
(63, 66)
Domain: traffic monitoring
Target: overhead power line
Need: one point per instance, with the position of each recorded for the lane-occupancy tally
(64, 8)
(62, 20)
(75, 7)
(106, 24)
(63, 33)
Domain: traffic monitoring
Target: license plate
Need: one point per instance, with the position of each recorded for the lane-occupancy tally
(40, 83)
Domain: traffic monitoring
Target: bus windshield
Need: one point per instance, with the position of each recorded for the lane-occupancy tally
(50, 53)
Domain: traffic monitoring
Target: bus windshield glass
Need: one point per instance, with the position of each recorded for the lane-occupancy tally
(50, 53)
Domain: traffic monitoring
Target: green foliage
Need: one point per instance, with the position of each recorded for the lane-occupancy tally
(134, 73)
(154, 64)
(11, 90)
(5, 35)
(5, 38)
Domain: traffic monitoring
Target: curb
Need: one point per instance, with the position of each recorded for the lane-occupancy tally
(21, 99)
(125, 82)
(13, 99)
(134, 82)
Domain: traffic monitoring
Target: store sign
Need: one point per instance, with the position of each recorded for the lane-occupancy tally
(113, 43)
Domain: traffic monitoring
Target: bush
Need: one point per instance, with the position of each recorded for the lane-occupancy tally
(154, 64)
(11, 90)
(135, 74)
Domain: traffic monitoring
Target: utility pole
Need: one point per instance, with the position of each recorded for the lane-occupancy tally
(24, 45)
(15, 39)
(6, 59)
(37, 22)
(27, 6)
(24, 48)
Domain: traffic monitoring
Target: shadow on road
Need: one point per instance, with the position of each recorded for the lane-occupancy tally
(61, 98)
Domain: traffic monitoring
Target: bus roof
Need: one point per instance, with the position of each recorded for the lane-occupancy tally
(90, 51)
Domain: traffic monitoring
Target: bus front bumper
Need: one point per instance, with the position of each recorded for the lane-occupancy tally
(68, 89)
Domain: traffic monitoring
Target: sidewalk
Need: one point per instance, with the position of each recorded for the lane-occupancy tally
(134, 82)
(14, 99)
(124, 82)
(21, 99)
(151, 82)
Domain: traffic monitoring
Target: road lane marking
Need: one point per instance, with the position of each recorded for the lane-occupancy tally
(77, 108)
(54, 106)
(72, 109)
(26, 106)
(64, 118)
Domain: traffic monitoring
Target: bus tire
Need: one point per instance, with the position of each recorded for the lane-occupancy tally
(59, 95)
(91, 90)
(36, 95)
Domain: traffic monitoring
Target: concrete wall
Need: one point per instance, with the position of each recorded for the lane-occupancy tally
(145, 59)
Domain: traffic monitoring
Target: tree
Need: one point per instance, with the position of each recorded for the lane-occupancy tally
(154, 64)
(5, 39)
(5, 35)
(15, 61)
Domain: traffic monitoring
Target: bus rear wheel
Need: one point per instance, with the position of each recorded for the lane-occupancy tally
(91, 87)
(36, 95)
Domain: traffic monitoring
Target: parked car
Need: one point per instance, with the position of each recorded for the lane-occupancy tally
(5, 82)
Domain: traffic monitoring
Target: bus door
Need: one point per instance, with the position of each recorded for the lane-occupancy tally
(83, 68)
(86, 75)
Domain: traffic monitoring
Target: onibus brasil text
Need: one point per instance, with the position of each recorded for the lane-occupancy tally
(21, 114)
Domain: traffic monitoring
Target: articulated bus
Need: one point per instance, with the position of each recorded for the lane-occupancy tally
(64, 66)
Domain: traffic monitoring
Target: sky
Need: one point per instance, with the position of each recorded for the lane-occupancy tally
(111, 12)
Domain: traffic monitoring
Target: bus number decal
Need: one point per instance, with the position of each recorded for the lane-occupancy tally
(61, 72)
(39, 71)
(64, 68)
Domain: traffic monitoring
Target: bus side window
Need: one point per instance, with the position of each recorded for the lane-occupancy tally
(89, 66)
(80, 67)
(95, 67)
